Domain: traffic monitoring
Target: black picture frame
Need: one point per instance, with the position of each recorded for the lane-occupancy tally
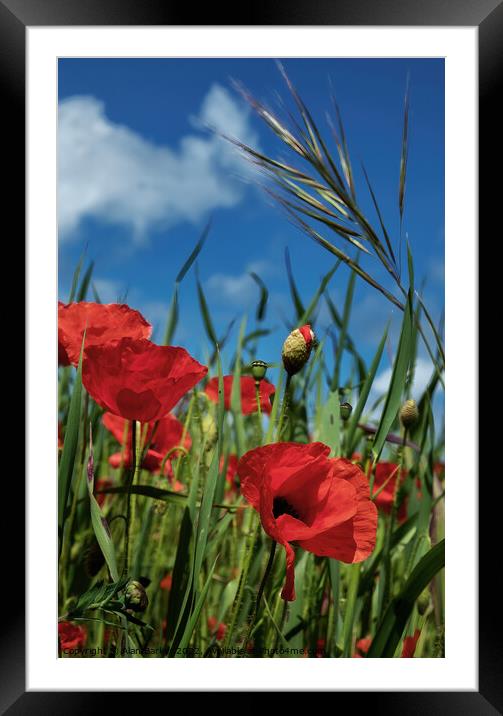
(15, 17)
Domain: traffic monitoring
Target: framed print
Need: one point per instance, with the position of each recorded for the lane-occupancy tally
(254, 246)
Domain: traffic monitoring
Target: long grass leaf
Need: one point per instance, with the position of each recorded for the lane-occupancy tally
(398, 612)
(67, 462)
(297, 301)
(98, 521)
(397, 382)
(264, 296)
(364, 394)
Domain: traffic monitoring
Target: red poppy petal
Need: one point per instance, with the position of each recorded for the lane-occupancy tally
(339, 506)
(142, 406)
(353, 541)
(288, 591)
(117, 459)
(409, 645)
(248, 393)
(137, 379)
(102, 322)
(119, 427)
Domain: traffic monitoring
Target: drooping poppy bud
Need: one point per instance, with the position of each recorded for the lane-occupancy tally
(297, 349)
(409, 414)
(423, 601)
(346, 410)
(136, 596)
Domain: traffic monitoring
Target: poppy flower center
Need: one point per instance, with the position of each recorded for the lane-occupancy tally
(280, 506)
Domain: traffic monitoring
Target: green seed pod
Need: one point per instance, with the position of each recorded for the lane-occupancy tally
(258, 369)
(409, 414)
(346, 410)
(297, 349)
(136, 596)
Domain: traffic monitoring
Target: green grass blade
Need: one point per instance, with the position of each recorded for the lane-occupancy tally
(264, 297)
(173, 309)
(330, 432)
(96, 295)
(184, 642)
(405, 154)
(379, 215)
(181, 589)
(69, 453)
(398, 379)
(350, 613)
(172, 321)
(194, 254)
(205, 312)
(84, 286)
(76, 276)
(348, 302)
(99, 523)
(350, 346)
(297, 302)
(364, 394)
(400, 608)
(236, 395)
(306, 316)
(155, 493)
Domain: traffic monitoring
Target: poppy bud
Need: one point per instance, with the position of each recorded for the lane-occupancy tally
(136, 596)
(346, 410)
(423, 601)
(297, 349)
(409, 414)
(258, 369)
(209, 430)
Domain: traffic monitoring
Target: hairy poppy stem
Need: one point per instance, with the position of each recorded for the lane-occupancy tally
(285, 406)
(245, 568)
(259, 412)
(261, 592)
(391, 524)
(131, 501)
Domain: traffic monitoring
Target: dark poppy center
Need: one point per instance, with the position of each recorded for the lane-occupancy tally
(280, 506)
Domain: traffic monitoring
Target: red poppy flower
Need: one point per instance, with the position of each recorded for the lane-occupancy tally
(248, 393)
(71, 636)
(102, 322)
(389, 471)
(305, 497)
(167, 436)
(231, 472)
(220, 629)
(137, 379)
(362, 647)
(120, 460)
(409, 645)
(166, 582)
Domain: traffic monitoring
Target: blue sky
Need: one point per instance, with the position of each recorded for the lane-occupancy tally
(139, 176)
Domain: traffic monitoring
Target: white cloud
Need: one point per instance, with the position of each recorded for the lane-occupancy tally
(109, 172)
(422, 374)
(240, 289)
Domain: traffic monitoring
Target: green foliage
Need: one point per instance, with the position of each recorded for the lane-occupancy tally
(195, 542)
